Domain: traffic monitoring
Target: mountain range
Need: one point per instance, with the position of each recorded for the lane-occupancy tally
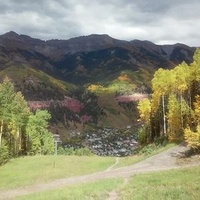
(93, 70)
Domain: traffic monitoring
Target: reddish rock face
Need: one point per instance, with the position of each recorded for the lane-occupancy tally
(73, 104)
(133, 97)
(70, 103)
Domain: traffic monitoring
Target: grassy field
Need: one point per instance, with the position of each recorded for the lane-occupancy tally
(36, 169)
(89, 191)
(179, 184)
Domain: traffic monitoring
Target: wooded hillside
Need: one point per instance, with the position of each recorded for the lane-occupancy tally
(173, 110)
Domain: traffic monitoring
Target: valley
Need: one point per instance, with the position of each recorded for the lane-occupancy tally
(88, 81)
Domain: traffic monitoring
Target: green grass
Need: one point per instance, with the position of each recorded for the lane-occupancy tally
(30, 170)
(181, 184)
(95, 190)
(36, 169)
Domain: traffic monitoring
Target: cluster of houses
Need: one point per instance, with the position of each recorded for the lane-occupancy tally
(111, 142)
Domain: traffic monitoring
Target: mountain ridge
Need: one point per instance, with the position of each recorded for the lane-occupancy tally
(92, 42)
(94, 70)
(86, 58)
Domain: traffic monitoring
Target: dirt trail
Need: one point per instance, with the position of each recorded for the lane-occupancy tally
(162, 161)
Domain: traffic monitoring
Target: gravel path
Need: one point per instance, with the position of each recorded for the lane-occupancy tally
(162, 161)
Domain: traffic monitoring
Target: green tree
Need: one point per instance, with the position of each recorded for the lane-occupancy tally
(19, 117)
(21, 130)
(40, 140)
(7, 95)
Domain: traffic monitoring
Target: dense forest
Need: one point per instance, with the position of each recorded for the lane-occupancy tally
(22, 132)
(173, 111)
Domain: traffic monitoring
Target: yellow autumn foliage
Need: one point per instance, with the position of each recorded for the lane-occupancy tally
(94, 87)
(123, 78)
(144, 108)
(192, 138)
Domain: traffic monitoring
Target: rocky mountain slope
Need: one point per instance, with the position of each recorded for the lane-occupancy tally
(94, 68)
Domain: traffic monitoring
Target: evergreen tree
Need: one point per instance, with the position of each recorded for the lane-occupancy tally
(21, 130)
(7, 96)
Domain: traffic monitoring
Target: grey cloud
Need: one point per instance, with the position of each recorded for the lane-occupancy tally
(159, 21)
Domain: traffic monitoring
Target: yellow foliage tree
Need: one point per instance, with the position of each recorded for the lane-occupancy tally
(144, 108)
(193, 137)
(174, 118)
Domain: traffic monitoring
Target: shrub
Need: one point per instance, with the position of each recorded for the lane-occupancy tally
(148, 149)
(193, 138)
(71, 151)
(66, 151)
(161, 140)
(142, 135)
(83, 152)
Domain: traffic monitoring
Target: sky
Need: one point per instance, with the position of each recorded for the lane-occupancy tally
(159, 21)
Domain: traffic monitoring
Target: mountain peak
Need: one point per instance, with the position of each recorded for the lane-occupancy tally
(11, 35)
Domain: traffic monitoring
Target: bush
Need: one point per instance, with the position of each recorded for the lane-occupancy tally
(83, 152)
(65, 151)
(71, 151)
(142, 135)
(148, 149)
(161, 140)
(193, 138)
(4, 155)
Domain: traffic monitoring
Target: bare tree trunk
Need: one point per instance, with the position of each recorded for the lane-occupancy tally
(164, 117)
(18, 141)
(181, 110)
(1, 132)
(0, 138)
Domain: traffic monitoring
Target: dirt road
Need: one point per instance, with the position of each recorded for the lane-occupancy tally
(162, 161)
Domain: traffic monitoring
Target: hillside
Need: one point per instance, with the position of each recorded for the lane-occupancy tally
(35, 84)
(57, 182)
(94, 70)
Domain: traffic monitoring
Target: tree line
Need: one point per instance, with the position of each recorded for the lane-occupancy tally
(22, 132)
(173, 111)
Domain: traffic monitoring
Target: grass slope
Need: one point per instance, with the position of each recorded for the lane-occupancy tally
(23, 74)
(183, 184)
(37, 169)
(30, 170)
(97, 190)
(116, 116)
(123, 81)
